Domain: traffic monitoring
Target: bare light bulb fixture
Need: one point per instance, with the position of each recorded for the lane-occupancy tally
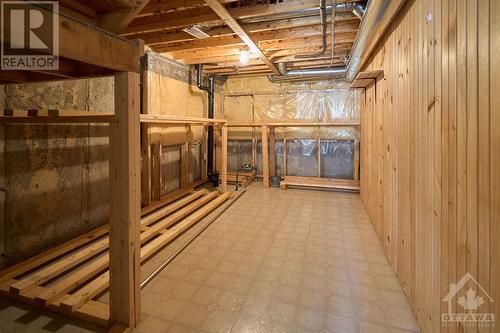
(244, 58)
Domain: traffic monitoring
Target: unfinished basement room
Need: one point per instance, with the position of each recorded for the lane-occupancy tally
(250, 166)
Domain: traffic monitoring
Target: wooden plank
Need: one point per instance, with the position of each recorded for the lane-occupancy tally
(161, 212)
(364, 79)
(265, 157)
(342, 23)
(166, 200)
(179, 120)
(94, 312)
(342, 184)
(51, 254)
(125, 202)
(116, 53)
(176, 217)
(73, 280)
(76, 117)
(73, 302)
(153, 246)
(117, 21)
(233, 24)
(206, 15)
(223, 162)
(58, 267)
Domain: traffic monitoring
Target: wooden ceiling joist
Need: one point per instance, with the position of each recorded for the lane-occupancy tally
(205, 15)
(220, 10)
(177, 37)
(116, 22)
(258, 37)
(162, 6)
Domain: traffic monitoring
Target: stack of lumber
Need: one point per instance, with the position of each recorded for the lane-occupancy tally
(316, 182)
(242, 178)
(67, 278)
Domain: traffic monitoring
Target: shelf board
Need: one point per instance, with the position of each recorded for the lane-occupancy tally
(364, 79)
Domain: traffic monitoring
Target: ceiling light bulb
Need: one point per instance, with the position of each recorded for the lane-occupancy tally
(244, 58)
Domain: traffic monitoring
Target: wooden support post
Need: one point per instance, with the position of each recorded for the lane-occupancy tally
(265, 158)
(145, 141)
(124, 203)
(272, 155)
(223, 166)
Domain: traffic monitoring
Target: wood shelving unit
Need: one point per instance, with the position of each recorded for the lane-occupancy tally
(83, 263)
(97, 53)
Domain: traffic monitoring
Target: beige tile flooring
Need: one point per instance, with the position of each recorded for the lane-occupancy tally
(281, 261)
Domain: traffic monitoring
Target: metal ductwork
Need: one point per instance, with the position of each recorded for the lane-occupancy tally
(212, 175)
(322, 15)
(374, 12)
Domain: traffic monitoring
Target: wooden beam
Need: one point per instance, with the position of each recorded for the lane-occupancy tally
(343, 23)
(124, 177)
(189, 17)
(260, 38)
(179, 120)
(162, 6)
(285, 55)
(265, 157)
(117, 21)
(115, 53)
(231, 22)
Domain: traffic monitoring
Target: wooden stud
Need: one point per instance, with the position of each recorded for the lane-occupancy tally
(125, 202)
(223, 166)
(265, 157)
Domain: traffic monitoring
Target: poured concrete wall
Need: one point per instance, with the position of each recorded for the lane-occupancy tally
(56, 175)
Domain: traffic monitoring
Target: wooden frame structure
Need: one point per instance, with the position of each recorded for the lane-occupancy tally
(268, 160)
(89, 58)
(151, 180)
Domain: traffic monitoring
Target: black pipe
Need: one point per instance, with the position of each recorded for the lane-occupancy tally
(212, 174)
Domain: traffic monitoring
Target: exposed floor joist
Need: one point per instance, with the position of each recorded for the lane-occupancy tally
(231, 22)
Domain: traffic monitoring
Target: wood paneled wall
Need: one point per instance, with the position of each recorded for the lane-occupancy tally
(430, 151)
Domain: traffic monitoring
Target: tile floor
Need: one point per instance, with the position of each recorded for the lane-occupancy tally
(281, 261)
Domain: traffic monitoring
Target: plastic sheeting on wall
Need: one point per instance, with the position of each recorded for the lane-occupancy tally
(170, 169)
(239, 152)
(334, 105)
(302, 158)
(314, 106)
(279, 152)
(195, 161)
(337, 159)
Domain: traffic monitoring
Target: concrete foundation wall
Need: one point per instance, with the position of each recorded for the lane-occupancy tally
(56, 175)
